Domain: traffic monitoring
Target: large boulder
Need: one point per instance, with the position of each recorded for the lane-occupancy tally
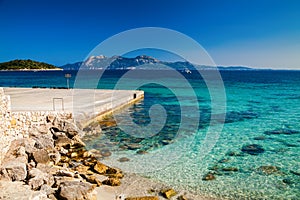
(74, 190)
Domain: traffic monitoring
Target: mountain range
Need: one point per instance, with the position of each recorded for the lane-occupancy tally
(140, 62)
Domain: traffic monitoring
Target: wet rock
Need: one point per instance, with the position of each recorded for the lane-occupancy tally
(100, 168)
(259, 137)
(253, 149)
(123, 159)
(74, 190)
(112, 182)
(282, 131)
(208, 177)
(268, 170)
(41, 156)
(168, 193)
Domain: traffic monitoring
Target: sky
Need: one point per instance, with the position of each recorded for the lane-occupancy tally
(255, 33)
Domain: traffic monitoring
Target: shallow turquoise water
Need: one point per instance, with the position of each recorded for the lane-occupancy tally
(256, 102)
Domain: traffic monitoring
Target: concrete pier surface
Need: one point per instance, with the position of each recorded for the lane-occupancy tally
(84, 102)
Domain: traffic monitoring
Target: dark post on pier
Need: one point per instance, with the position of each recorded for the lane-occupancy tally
(68, 76)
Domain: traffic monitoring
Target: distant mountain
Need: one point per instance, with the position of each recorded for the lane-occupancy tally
(139, 62)
(26, 65)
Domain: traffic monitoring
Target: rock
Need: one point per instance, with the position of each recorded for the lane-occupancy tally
(61, 179)
(134, 146)
(17, 190)
(37, 178)
(259, 137)
(123, 159)
(208, 177)
(94, 180)
(65, 173)
(142, 198)
(295, 173)
(100, 168)
(62, 141)
(48, 190)
(105, 153)
(74, 190)
(15, 170)
(90, 161)
(232, 153)
(230, 169)
(54, 155)
(112, 182)
(77, 142)
(141, 152)
(81, 168)
(168, 193)
(41, 156)
(224, 160)
(288, 181)
(282, 131)
(253, 149)
(268, 170)
(43, 141)
(182, 197)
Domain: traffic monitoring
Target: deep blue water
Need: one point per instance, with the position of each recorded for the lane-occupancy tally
(262, 108)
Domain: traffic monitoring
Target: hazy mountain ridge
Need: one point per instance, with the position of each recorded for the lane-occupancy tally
(140, 62)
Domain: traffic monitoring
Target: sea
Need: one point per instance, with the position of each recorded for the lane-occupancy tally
(223, 134)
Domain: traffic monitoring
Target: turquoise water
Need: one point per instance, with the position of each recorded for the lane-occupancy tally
(262, 107)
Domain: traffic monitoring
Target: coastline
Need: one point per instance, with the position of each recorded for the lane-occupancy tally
(30, 70)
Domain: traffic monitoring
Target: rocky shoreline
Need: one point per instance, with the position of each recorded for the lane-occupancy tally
(54, 162)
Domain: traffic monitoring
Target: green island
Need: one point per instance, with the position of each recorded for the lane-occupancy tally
(27, 65)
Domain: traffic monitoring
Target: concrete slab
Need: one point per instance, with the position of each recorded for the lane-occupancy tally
(85, 103)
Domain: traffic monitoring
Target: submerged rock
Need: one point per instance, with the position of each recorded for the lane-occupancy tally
(230, 169)
(281, 131)
(123, 159)
(208, 177)
(268, 170)
(295, 173)
(253, 149)
(262, 137)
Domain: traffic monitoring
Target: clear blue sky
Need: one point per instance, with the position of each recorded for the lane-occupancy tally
(258, 33)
